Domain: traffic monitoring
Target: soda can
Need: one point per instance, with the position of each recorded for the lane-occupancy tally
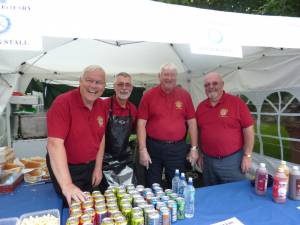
(157, 189)
(154, 185)
(138, 201)
(76, 213)
(142, 205)
(98, 197)
(140, 189)
(154, 201)
(96, 193)
(159, 194)
(74, 206)
(127, 211)
(87, 194)
(146, 190)
(174, 196)
(172, 205)
(120, 220)
(148, 197)
(165, 216)
(100, 213)
(99, 202)
(147, 210)
(165, 198)
(90, 211)
(113, 188)
(137, 220)
(110, 196)
(116, 214)
(137, 210)
(160, 204)
(168, 192)
(72, 221)
(120, 195)
(107, 221)
(108, 192)
(111, 211)
(85, 218)
(153, 218)
(133, 192)
(180, 208)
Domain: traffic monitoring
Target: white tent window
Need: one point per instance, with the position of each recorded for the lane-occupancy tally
(277, 125)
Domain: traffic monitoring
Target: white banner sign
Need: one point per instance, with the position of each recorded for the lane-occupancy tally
(19, 25)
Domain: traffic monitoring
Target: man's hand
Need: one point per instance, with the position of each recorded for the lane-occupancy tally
(246, 164)
(145, 159)
(192, 157)
(71, 191)
(200, 162)
(96, 177)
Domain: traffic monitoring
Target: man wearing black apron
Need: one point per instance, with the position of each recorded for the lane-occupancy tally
(121, 122)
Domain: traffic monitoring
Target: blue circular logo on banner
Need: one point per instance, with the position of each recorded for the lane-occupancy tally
(4, 24)
(215, 36)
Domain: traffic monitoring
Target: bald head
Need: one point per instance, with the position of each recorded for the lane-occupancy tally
(213, 84)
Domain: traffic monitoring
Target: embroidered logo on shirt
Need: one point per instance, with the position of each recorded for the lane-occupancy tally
(223, 112)
(100, 121)
(178, 105)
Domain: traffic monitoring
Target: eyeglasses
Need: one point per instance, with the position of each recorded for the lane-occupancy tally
(215, 83)
(125, 85)
(97, 82)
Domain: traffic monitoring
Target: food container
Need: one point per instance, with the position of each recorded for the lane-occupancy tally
(33, 176)
(45, 217)
(10, 221)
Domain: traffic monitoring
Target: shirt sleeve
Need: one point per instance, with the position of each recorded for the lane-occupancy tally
(143, 110)
(190, 110)
(58, 119)
(245, 115)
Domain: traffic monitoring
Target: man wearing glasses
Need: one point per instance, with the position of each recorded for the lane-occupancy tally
(121, 122)
(226, 134)
(76, 125)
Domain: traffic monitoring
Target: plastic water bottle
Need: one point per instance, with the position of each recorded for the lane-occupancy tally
(189, 197)
(175, 182)
(294, 183)
(182, 185)
(261, 179)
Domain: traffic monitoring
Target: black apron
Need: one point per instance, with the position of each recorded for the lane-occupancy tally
(117, 153)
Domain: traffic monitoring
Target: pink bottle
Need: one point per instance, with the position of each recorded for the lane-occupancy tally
(280, 183)
(261, 179)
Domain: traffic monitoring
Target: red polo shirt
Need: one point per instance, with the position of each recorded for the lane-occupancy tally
(82, 129)
(220, 127)
(166, 114)
(120, 111)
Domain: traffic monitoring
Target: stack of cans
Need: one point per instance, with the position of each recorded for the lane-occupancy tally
(121, 205)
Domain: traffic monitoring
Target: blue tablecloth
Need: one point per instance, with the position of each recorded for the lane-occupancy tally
(213, 204)
(221, 202)
(29, 198)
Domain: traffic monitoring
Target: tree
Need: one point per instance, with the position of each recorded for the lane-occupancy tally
(263, 7)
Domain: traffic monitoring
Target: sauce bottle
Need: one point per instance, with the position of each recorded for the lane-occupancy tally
(294, 183)
(279, 186)
(261, 179)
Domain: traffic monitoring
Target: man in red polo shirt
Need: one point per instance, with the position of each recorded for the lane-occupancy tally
(165, 114)
(226, 134)
(76, 125)
(117, 164)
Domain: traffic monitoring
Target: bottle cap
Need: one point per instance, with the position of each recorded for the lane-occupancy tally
(177, 171)
(283, 162)
(262, 165)
(182, 175)
(190, 180)
(295, 167)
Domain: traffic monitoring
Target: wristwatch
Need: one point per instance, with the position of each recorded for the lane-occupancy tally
(195, 148)
(247, 155)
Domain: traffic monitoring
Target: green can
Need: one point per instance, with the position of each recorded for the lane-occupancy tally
(168, 192)
(127, 210)
(180, 208)
(137, 220)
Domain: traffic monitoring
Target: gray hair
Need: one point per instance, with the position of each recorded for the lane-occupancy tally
(168, 66)
(92, 68)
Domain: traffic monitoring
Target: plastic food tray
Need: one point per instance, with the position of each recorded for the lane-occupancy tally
(53, 212)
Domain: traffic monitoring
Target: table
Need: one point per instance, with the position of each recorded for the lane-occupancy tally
(29, 198)
(221, 202)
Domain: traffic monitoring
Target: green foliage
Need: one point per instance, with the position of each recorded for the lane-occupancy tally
(265, 7)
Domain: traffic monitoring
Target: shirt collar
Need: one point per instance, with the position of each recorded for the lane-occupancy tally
(117, 104)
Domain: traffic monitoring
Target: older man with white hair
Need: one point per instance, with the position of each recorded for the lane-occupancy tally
(165, 114)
